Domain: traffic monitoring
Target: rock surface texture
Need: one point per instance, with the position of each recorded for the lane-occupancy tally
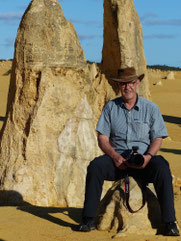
(55, 99)
(49, 135)
(123, 44)
(113, 214)
(47, 38)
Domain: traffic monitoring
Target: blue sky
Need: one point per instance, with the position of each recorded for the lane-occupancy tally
(161, 23)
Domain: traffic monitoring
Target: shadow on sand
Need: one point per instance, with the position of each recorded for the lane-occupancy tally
(172, 119)
(2, 119)
(6, 74)
(174, 151)
(13, 198)
(46, 213)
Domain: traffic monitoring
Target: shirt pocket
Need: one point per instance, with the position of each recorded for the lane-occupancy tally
(119, 133)
(140, 130)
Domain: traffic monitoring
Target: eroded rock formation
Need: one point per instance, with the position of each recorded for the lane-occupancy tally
(113, 213)
(46, 38)
(123, 44)
(55, 99)
(49, 136)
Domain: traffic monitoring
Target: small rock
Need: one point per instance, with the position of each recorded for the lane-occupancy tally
(113, 214)
(170, 75)
(159, 83)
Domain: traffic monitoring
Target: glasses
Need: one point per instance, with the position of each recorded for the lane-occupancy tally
(131, 83)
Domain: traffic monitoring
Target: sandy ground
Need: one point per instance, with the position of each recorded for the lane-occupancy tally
(52, 224)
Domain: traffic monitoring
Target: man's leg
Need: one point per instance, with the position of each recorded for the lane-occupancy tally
(100, 169)
(158, 172)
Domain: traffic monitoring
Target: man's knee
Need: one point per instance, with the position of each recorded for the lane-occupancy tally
(159, 162)
(162, 167)
(100, 165)
(95, 164)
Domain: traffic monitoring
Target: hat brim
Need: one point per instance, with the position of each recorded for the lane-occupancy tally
(141, 77)
(129, 79)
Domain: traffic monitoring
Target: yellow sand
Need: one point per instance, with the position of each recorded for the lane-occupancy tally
(53, 224)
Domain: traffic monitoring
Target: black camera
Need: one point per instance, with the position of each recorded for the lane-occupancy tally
(134, 158)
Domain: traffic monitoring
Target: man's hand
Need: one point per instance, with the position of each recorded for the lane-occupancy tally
(119, 162)
(153, 149)
(106, 147)
(146, 161)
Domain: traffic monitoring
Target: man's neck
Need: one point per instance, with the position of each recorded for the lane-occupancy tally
(130, 103)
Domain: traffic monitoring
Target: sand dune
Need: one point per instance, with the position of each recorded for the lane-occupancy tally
(49, 224)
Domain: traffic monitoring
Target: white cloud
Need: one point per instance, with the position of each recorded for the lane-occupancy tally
(173, 22)
(147, 16)
(88, 36)
(9, 42)
(159, 36)
(85, 22)
(11, 17)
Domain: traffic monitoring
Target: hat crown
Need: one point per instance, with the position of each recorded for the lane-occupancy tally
(126, 73)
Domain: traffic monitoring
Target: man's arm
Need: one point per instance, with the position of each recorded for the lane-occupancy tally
(155, 146)
(104, 144)
(153, 149)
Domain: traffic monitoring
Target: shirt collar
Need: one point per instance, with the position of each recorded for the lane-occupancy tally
(137, 105)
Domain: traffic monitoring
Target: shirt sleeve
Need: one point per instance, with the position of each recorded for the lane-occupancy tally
(104, 122)
(158, 128)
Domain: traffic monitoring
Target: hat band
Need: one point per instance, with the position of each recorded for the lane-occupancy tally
(130, 77)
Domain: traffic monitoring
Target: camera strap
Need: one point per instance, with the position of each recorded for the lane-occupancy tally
(127, 195)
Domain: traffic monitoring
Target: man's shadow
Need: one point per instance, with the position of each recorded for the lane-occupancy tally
(46, 213)
(2, 118)
(13, 198)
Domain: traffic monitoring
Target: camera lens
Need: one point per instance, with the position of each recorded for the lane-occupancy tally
(138, 160)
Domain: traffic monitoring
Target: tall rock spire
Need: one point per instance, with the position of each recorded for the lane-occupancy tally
(123, 44)
(49, 121)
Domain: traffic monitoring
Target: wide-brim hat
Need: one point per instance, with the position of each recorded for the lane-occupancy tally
(127, 75)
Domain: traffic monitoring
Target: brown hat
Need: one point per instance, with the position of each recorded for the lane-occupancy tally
(127, 75)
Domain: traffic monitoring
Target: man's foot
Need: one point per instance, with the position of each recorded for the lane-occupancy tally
(87, 224)
(171, 229)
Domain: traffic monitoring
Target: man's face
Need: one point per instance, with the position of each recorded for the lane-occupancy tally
(128, 90)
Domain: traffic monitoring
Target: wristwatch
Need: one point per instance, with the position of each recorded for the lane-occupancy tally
(150, 154)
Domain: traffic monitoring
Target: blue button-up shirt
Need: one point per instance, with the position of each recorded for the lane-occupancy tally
(136, 127)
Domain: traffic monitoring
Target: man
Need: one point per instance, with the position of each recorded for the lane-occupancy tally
(125, 122)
